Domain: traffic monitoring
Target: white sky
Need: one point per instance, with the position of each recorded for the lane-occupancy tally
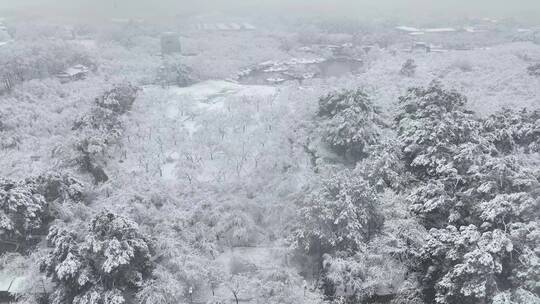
(519, 9)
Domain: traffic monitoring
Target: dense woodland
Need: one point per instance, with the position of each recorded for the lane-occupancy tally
(154, 180)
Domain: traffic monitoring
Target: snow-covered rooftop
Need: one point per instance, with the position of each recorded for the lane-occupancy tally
(440, 30)
(11, 283)
(225, 26)
(408, 29)
(74, 70)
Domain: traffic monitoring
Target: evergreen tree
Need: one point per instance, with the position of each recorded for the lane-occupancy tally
(107, 265)
(350, 123)
(341, 215)
(511, 130)
(534, 70)
(408, 69)
(26, 206)
(471, 196)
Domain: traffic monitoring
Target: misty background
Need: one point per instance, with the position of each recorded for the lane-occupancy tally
(406, 10)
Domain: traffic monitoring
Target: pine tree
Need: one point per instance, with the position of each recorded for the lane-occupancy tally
(107, 265)
(23, 211)
(341, 215)
(472, 197)
(511, 130)
(119, 99)
(350, 123)
(408, 69)
(534, 70)
(26, 206)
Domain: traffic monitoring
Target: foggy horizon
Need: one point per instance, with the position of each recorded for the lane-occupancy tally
(406, 10)
(269, 152)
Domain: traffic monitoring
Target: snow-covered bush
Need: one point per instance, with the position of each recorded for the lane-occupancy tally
(163, 288)
(408, 69)
(91, 156)
(462, 65)
(383, 167)
(107, 265)
(119, 99)
(8, 141)
(230, 225)
(341, 215)
(99, 119)
(8, 138)
(278, 286)
(365, 275)
(351, 123)
(510, 130)
(101, 128)
(534, 70)
(174, 73)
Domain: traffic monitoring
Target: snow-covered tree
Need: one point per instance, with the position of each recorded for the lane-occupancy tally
(383, 167)
(470, 195)
(498, 198)
(39, 58)
(534, 70)
(510, 130)
(100, 119)
(278, 286)
(408, 69)
(229, 224)
(119, 99)
(367, 274)
(109, 264)
(239, 285)
(350, 122)
(173, 72)
(164, 288)
(91, 156)
(433, 126)
(101, 128)
(60, 188)
(341, 215)
(26, 206)
(476, 261)
(23, 211)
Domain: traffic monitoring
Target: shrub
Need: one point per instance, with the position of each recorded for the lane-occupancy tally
(119, 99)
(408, 69)
(534, 70)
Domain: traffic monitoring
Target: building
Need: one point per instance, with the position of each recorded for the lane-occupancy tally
(440, 30)
(422, 46)
(12, 286)
(76, 72)
(170, 43)
(413, 31)
(4, 34)
(408, 29)
(224, 26)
